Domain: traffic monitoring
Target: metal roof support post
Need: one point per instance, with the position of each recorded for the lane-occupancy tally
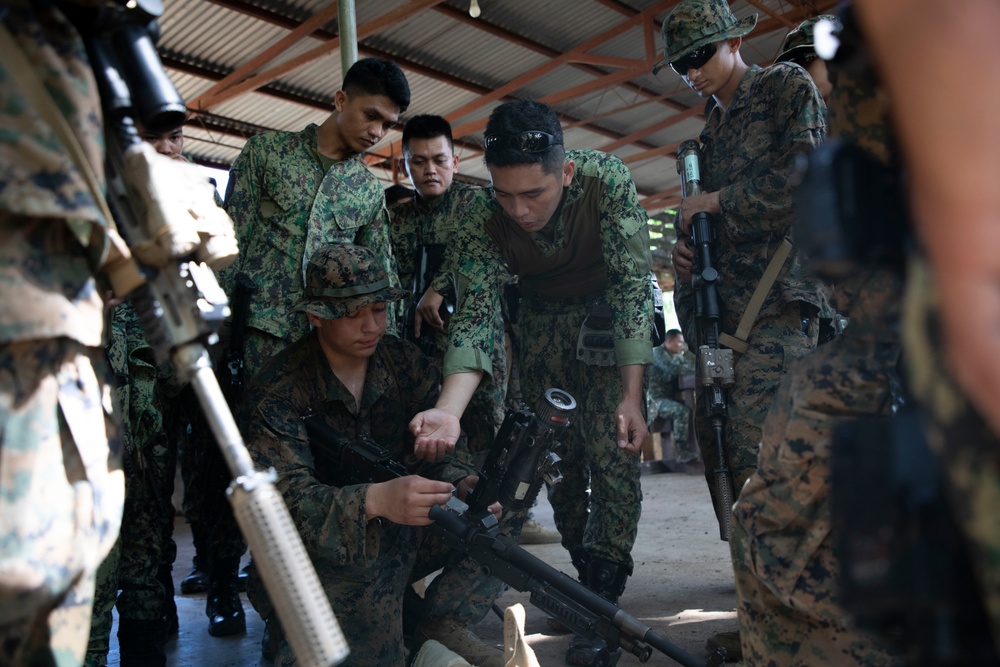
(347, 26)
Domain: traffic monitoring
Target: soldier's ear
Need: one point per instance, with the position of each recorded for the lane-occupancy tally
(315, 320)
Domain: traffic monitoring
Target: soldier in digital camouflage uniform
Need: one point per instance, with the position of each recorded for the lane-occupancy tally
(61, 487)
(670, 361)
(432, 219)
(758, 120)
(362, 538)
(568, 223)
(950, 330)
(288, 194)
(787, 571)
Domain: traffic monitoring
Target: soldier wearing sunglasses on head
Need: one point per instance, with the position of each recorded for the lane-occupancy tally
(757, 121)
(569, 224)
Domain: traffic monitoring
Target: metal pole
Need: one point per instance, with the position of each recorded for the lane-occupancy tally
(347, 21)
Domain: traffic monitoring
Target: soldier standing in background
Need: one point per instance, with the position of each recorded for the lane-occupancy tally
(757, 121)
(787, 571)
(670, 361)
(61, 486)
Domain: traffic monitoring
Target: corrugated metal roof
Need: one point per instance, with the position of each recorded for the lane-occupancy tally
(452, 62)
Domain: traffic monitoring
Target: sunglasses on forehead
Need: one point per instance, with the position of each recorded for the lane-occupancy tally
(694, 60)
(532, 141)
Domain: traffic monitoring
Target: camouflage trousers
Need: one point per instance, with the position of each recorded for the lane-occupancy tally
(678, 415)
(61, 494)
(969, 451)
(597, 504)
(774, 342)
(152, 424)
(786, 569)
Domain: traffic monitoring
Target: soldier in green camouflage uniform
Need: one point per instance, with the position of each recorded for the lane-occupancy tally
(428, 223)
(570, 226)
(670, 361)
(288, 194)
(362, 538)
(950, 311)
(61, 487)
(758, 121)
(786, 568)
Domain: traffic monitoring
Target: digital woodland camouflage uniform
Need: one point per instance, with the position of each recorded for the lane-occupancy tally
(364, 566)
(749, 154)
(414, 223)
(662, 375)
(557, 283)
(140, 565)
(786, 569)
(287, 200)
(61, 487)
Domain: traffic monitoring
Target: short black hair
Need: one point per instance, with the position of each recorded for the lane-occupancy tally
(672, 334)
(375, 76)
(427, 126)
(519, 116)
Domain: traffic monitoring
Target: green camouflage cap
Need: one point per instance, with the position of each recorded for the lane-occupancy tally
(694, 23)
(799, 41)
(341, 278)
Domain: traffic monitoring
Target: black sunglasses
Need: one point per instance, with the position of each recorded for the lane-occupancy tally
(694, 60)
(532, 141)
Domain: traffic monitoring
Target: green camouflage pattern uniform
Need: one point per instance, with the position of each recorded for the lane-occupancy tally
(414, 223)
(286, 200)
(749, 157)
(786, 569)
(600, 201)
(61, 486)
(420, 222)
(153, 422)
(662, 376)
(364, 566)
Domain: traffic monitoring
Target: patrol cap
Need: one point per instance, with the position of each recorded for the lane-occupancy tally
(799, 41)
(341, 278)
(694, 23)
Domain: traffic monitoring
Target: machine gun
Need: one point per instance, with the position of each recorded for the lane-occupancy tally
(516, 463)
(715, 363)
(176, 235)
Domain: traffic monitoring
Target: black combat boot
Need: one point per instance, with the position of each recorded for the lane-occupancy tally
(580, 560)
(607, 579)
(223, 606)
(164, 574)
(140, 643)
(197, 579)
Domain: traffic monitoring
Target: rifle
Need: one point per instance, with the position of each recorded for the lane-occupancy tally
(511, 474)
(715, 363)
(232, 378)
(429, 258)
(165, 210)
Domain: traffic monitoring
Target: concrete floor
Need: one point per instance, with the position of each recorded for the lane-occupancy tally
(682, 586)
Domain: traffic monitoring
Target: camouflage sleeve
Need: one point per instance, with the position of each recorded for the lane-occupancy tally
(756, 208)
(625, 241)
(331, 520)
(442, 281)
(242, 201)
(481, 273)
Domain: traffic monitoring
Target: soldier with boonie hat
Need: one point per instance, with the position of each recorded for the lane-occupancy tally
(695, 25)
(757, 121)
(799, 47)
(341, 279)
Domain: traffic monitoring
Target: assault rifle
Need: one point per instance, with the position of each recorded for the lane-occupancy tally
(517, 462)
(715, 363)
(429, 258)
(177, 234)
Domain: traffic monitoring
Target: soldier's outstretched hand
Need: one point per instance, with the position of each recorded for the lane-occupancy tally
(436, 433)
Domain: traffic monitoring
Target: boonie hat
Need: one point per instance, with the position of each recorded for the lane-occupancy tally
(800, 41)
(694, 23)
(341, 278)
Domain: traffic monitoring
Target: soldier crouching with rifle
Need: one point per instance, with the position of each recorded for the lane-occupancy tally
(364, 539)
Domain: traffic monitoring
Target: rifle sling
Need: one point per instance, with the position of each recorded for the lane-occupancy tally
(738, 341)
